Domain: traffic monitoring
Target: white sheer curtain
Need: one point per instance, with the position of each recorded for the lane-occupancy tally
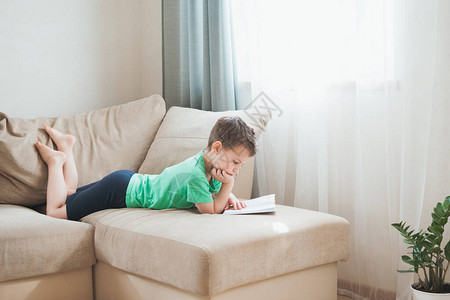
(364, 87)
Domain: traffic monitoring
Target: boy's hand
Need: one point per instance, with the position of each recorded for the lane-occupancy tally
(233, 201)
(222, 176)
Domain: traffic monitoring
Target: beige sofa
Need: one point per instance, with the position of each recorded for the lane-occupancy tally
(148, 254)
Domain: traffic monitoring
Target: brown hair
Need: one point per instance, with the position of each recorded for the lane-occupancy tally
(232, 132)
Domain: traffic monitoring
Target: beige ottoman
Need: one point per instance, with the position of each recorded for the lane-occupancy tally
(181, 254)
(43, 257)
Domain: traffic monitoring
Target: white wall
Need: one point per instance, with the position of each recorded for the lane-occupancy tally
(67, 57)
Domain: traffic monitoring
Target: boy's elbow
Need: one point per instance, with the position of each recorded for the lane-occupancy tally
(218, 211)
(207, 208)
(208, 212)
(211, 211)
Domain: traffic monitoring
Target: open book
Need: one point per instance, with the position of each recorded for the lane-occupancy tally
(258, 205)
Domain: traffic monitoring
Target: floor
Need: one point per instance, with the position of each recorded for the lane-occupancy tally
(347, 295)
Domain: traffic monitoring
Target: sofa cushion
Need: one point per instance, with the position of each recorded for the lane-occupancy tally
(33, 244)
(185, 131)
(108, 140)
(207, 254)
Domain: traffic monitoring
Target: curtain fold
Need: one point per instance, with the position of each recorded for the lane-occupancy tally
(365, 129)
(198, 55)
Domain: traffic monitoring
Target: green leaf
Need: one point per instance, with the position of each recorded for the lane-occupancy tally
(443, 221)
(447, 250)
(435, 216)
(447, 202)
(436, 230)
(397, 226)
(430, 239)
(439, 210)
(408, 260)
(428, 245)
(408, 241)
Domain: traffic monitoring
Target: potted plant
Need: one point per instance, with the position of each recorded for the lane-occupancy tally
(427, 258)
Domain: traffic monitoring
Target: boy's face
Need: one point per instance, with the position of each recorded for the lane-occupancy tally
(231, 160)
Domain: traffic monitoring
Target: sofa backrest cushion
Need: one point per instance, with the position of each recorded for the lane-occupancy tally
(185, 131)
(108, 139)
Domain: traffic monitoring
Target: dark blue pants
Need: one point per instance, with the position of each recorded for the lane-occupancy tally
(110, 192)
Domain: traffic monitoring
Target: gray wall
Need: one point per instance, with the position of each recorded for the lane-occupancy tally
(67, 57)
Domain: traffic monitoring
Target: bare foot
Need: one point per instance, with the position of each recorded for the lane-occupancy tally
(49, 155)
(64, 142)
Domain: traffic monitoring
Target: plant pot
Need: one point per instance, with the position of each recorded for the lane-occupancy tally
(419, 295)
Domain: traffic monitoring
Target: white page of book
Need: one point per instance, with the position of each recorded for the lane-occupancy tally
(257, 205)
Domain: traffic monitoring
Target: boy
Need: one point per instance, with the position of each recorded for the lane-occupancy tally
(204, 180)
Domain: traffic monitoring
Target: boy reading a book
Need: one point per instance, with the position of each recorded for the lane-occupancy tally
(204, 180)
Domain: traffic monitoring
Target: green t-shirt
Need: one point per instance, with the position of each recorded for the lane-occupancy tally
(179, 186)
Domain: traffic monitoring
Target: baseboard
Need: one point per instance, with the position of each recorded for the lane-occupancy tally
(366, 291)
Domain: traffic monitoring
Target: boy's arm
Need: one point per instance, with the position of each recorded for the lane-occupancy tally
(218, 205)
